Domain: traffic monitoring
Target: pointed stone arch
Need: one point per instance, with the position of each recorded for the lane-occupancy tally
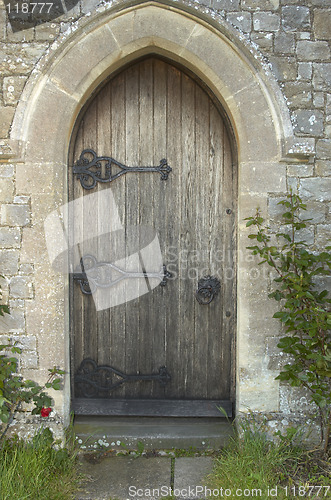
(60, 86)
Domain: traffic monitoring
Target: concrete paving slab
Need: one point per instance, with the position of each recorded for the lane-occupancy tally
(120, 478)
(190, 474)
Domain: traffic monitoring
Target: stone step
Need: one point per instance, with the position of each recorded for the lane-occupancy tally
(154, 433)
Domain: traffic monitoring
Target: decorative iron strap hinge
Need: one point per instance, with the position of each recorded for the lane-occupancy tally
(111, 275)
(89, 169)
(90, 378)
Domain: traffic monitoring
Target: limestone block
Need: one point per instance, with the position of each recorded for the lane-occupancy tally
(29, 360)
(6, 116)
(42, 205)
(318, 100)
(295, 17)
(328, 103)
(294, 399)
(323, 149)
(275, 210)
(19, 36)
(6, 191)
(39, 178)
(88, 6)
(8, 262)
(10, 237)
(292, 184)
(241, 20)
(47, 31)
(260, 4)
(21, 287)
(227, 5)
(322, 23)
(308, 50)
(323, 235)
(319, 3)
(248, 203)
(51, 348)
(15, 215)
(7, 170)
(284, 68)
(306, 234)
(13, 322)
(309, 121)
(305, 70)
(322, 76)
(26, 269)
(263, 40)
(21, 200)
(265, 21)
(298, 94)
(87, 53)
(316, 188)
(20, 62)
(33, 244)
(323, 168)
(52, 102)
(259, 393)
(263, 178)
(25, 342)
(12, 88)
(284, 43)
(300, 170)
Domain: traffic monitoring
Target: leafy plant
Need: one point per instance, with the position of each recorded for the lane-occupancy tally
(304, 309)
(15, 390)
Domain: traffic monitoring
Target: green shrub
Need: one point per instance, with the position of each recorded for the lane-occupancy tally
(304, 310)
(15, 390)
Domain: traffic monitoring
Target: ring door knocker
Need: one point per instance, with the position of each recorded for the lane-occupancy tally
(208, 288)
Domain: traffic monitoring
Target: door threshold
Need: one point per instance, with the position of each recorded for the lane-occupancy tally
(155, 433)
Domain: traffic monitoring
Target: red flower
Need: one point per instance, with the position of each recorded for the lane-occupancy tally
(45, 412)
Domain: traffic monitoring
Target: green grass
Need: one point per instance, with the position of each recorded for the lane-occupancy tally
(252, 465)
(37, 469)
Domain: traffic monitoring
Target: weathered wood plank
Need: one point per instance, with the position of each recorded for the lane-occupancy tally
(171, 305)
(117, 314)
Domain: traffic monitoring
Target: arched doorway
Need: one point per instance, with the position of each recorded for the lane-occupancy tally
(176, 346)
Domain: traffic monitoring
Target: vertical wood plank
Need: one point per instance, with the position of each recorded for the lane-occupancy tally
(88, 246)
(161, 210)
(132, 204)
(174, 154)
(217, 378)
(103, 104)
(202, 241)
(187, 247)
(147, 194)
(117, 321)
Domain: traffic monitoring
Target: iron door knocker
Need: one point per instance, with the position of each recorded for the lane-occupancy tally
(208, 288)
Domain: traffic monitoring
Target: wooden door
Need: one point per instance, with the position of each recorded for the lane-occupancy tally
(149, 111)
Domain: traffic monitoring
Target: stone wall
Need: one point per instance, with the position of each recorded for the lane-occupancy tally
(292, 38)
